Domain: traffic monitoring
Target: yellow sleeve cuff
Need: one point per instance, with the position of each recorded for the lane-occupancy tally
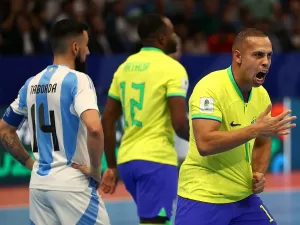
(205, 117)
(113, 96)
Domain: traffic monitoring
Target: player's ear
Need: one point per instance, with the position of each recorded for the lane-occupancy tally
(75, 48)
(161, 39)
(237, 56)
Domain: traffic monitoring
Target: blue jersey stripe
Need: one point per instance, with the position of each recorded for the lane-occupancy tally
(23, 94)
(70, 122)
(44, 139)
(91, 213)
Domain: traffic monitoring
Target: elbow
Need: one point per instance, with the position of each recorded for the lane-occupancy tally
(203, 149)
(203, 152)
(179, 128)
(95, 131)
(6, 129)
(178, 131)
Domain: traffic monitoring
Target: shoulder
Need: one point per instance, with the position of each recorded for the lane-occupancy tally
(82, 77)
(212, 83)
(172, 63)
(120, 68)
(78, 74)
(173, 69)
(76, 79)
(30, 79)
(36, 77)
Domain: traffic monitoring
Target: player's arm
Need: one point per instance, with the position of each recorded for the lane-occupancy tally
(207, 119)
(210, 140)
(112, 112)
(85, 105)
(260, 161)
(177, 87)
(95, 137)
(180, 122)
(11, 142)
(261, 155)
(11, 121)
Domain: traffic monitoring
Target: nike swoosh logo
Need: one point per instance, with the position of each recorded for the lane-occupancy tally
(235, 124)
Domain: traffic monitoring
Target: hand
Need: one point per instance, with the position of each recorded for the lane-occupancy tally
(29, 163)
(93, 173)
(272, 126)
(258, 182)
(109, 181)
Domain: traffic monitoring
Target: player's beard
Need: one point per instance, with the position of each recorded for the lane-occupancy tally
(80, 65)
(171, 47)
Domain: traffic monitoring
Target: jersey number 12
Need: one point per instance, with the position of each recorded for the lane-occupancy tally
(47, 129)
(133, 103)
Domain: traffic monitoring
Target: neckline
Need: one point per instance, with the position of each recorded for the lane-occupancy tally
(236, 87)
(151, 49)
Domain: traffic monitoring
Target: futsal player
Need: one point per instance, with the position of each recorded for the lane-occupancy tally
(229, 148)
(60, 104)
(149, 88)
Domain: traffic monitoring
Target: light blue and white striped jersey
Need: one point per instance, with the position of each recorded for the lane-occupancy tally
(53, 101)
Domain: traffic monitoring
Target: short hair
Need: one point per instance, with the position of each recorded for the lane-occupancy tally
(63, 30)
(244, 34)
(150, 25)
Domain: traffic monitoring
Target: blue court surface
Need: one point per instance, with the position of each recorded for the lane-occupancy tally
(284, 206)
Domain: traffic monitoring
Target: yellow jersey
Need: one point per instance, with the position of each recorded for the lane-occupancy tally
(224, 177)
(143, 83)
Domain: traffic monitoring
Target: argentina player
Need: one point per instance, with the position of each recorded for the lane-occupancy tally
(60, 104)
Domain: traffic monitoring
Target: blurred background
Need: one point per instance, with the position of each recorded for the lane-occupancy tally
(206, 29)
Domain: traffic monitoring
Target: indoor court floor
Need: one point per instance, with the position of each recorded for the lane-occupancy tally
(282, 197)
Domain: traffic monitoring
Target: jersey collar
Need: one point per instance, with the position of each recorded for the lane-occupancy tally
(151, 49)
(61, 65)
(236, 87)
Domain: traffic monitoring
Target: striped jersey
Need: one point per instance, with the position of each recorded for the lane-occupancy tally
(53, 101)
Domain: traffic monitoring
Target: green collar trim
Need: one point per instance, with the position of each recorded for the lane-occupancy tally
(236, 87)
(151, 49)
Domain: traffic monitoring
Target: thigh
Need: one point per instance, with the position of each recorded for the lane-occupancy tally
(199, 213)
(79, 208)
(156, 190)
(252, 211)
(126, 172)
(40, 209)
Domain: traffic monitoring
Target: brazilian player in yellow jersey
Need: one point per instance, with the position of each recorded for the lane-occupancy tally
(229, 146)
(149, 88)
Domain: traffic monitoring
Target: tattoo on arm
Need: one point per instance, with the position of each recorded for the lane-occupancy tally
(12, 144)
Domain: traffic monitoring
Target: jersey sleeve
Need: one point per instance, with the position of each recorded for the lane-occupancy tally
(114, 89)
(85, 97)
(178, 83)
(17, 111)
(205, 104)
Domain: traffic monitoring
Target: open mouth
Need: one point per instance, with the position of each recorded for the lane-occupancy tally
(261, 76)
